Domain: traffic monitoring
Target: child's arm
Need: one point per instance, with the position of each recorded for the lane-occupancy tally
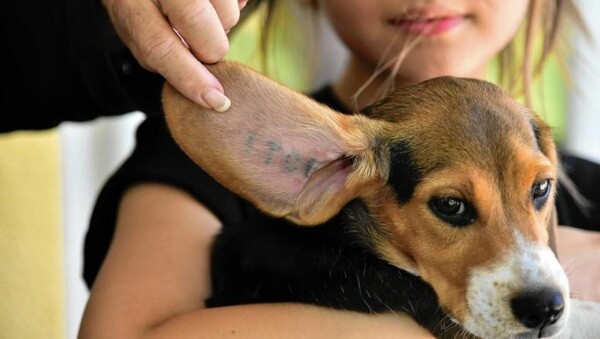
(579, 253)
(155, 279)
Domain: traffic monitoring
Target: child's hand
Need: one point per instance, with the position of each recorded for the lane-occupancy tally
(174, 38)
(579, 253)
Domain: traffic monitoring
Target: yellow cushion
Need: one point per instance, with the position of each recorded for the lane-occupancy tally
(31, 254)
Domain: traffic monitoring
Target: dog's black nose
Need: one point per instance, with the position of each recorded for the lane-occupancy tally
(537, 308)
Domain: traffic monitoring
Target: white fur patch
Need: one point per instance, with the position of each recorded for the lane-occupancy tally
(490, 290)
(584, 321)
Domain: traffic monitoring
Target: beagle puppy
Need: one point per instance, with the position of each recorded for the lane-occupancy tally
(434, 201)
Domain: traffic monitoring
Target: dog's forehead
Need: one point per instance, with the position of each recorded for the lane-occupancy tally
(454, 114)
(447, 121)
(458, 100)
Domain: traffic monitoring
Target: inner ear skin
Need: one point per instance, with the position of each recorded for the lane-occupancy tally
(404, 174)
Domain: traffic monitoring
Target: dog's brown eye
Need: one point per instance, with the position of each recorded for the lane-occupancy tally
(540, 192)
(454, 211)
(450, 206)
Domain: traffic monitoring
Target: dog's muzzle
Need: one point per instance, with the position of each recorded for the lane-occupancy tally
(524, 294)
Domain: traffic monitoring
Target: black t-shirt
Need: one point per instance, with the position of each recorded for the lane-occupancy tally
(157, 158)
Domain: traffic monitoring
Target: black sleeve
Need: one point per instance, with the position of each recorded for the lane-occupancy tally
(586, 176)
(156, 158)
(62, 61)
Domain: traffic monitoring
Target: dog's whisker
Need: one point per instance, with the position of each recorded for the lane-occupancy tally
(571, 266)
(575, 293)
(446, 326)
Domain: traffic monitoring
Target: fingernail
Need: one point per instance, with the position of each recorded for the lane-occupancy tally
(216, 100)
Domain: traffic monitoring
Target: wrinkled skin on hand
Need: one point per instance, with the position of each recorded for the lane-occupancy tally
(176, 38)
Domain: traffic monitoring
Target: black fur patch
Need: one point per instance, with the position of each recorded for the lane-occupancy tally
(404, 174)
(267, 260)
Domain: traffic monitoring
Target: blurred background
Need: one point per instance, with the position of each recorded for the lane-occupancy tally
(49, 180)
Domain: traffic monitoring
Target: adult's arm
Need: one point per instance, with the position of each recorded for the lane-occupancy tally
(579, 253)
(63, 61)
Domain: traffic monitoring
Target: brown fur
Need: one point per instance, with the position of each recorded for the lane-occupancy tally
(465, 138)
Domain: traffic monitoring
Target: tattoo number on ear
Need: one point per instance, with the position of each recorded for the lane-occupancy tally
(292, 162)
(310, 165)
(273, 153)
(273, 147)
(250, 141)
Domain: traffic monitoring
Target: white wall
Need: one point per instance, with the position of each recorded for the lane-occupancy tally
(89, 153)
(583, 130)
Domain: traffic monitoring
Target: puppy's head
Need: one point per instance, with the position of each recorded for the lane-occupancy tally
(466, 204)
(458, 180)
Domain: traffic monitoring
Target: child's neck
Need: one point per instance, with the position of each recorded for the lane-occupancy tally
(356, 74)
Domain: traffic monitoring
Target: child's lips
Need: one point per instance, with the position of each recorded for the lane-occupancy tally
(429, 25)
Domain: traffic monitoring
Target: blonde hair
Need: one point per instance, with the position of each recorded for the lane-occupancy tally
(546, 21)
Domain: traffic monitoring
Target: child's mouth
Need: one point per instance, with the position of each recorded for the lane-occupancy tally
(428, 26)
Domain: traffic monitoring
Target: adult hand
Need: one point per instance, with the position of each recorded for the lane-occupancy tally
(579, 253)
(175, 38)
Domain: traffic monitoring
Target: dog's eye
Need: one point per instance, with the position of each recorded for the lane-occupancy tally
(454, 211)
(540, 192)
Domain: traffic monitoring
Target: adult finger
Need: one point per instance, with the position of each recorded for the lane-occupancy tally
(228, 12)
(198, 23)
(155, 45)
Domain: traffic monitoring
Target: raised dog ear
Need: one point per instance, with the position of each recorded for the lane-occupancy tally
(287, 154)
(544, 138)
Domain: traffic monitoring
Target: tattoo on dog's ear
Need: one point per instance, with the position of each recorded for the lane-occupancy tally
(282, 151)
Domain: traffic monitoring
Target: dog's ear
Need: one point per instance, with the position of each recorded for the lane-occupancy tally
(287, 154)
(544, 138)
(545, 141)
